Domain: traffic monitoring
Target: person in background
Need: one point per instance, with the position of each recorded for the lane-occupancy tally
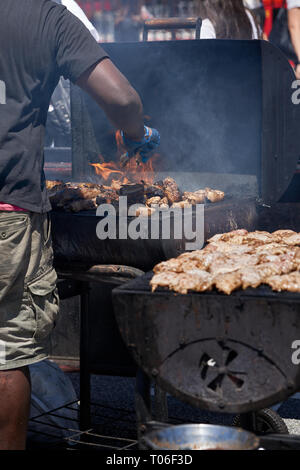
(129, 20)
(75, 9)
(257, 10)
(294, 28)
(226, 19)
(271, 8)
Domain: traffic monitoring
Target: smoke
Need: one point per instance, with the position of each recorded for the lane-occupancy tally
(205, 98)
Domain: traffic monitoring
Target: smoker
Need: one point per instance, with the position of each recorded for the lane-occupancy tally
(226, 113)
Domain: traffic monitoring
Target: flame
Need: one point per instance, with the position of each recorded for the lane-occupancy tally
(134, 172)
(106, 169)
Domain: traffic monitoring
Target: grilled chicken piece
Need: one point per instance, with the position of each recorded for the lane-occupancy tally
(199, 281)
(283, 233)
(292, 240)
(144, 211)
(153, 201)
(289, 282)
(213, 195)
(250, 277)
(153, 190)
(229, 282)
(197, 197)
(164, 204)
(181, 205)
(171, 190)
(81, 205)
(225, 237)
(107, 196)
(54, 184)
(72, 192)
(115, 185)
(133, 191)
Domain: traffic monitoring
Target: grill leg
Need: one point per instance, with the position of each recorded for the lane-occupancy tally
(142, 402)
(161, 405)
(85, 383)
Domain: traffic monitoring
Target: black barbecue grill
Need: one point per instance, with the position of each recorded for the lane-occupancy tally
(222, 353)
(227, 120)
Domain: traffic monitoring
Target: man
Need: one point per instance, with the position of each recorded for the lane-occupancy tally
(40, 41)
(294, 27)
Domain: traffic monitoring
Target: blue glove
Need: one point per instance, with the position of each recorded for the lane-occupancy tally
(145, 147)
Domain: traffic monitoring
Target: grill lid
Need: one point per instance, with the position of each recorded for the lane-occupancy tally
(221, 107)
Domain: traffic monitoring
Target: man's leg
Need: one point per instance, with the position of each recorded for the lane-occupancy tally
(14, 408)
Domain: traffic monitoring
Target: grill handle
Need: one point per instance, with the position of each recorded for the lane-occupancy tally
(172, 23)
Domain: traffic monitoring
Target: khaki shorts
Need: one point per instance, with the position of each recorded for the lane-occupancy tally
(28, 294)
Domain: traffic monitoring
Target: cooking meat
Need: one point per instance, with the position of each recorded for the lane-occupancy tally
(197, 197)
(153, 201)
(153, 190)
(181, 205)
(214, 195)
(107, 196)
(224, 237)
(236, 260)
(228, 282)
(289, 282)
(166, 194)
(53, 184)
(81, 205)
(292, 239)
(164, 203)
(171, 190)
(144, 211)
(182, 282)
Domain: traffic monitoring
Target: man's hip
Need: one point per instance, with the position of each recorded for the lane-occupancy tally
(28, 296)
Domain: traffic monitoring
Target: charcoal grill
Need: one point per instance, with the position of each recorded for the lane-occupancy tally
(229, 354)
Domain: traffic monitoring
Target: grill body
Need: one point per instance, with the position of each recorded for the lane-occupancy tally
(222, 353)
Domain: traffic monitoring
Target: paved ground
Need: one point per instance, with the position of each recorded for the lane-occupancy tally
(119, 392)
(114, 413)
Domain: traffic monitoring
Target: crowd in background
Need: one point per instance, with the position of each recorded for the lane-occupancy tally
(122, 20)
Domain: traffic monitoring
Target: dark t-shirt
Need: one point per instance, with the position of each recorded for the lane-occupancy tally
(39, 42)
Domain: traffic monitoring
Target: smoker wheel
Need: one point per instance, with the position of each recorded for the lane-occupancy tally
(266, 421)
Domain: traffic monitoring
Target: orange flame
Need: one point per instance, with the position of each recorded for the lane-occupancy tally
(106, 169)
(135, 171)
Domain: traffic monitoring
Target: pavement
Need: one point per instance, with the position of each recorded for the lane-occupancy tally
(118, 393)
(113, 416)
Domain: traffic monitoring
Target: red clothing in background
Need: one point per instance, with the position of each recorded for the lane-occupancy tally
(269, 6)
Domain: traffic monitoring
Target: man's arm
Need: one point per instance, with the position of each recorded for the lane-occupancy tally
(114, 94)
(294, 27)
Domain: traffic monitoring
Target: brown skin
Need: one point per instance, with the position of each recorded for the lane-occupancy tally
(294, 27)
(114, 94)
(15, 392)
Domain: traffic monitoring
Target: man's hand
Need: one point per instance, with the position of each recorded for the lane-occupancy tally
(144, 147)
(297, 72)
